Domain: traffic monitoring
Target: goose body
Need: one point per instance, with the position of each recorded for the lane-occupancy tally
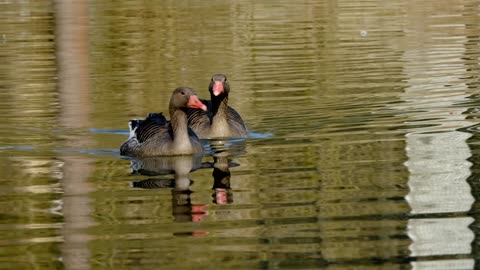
(155, 136)
(220, 120)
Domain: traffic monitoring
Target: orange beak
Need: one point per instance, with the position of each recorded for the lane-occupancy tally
(217, 88)
(195, 103)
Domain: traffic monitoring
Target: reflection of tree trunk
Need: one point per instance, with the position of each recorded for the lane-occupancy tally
(76, 212)
(72, 44)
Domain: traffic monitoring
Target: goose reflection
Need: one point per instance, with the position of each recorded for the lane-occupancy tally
(180, 166)
(221, 180)
(224, 151)
(158, 169)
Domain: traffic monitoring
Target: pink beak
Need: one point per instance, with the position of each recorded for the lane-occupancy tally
(217, 88)
(195, 103)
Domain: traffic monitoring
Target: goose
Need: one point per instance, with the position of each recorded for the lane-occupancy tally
(220, 120)
(155, 136)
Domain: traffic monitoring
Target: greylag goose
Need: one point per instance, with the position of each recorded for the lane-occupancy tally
(155, 136)
(220, 120)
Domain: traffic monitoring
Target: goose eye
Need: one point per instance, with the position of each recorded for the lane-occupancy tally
(182, 93)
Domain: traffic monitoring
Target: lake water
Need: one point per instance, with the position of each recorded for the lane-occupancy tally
(364, 152)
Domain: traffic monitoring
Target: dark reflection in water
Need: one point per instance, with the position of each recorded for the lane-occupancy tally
(223, 193)
(364, 154)
(182, 208)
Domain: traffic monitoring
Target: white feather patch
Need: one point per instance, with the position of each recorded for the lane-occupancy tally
(133, 133)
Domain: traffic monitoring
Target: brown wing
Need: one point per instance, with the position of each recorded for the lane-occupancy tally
(198, 119)
(234, 116)
(154, 124)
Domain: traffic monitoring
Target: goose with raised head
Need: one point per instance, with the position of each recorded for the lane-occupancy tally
(155, 136)
(220, 120)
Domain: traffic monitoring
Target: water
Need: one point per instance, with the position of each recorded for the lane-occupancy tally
(363, 154)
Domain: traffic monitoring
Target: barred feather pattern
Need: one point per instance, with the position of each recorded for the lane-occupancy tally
(154, 137)
(149, 129)
(154, 183)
